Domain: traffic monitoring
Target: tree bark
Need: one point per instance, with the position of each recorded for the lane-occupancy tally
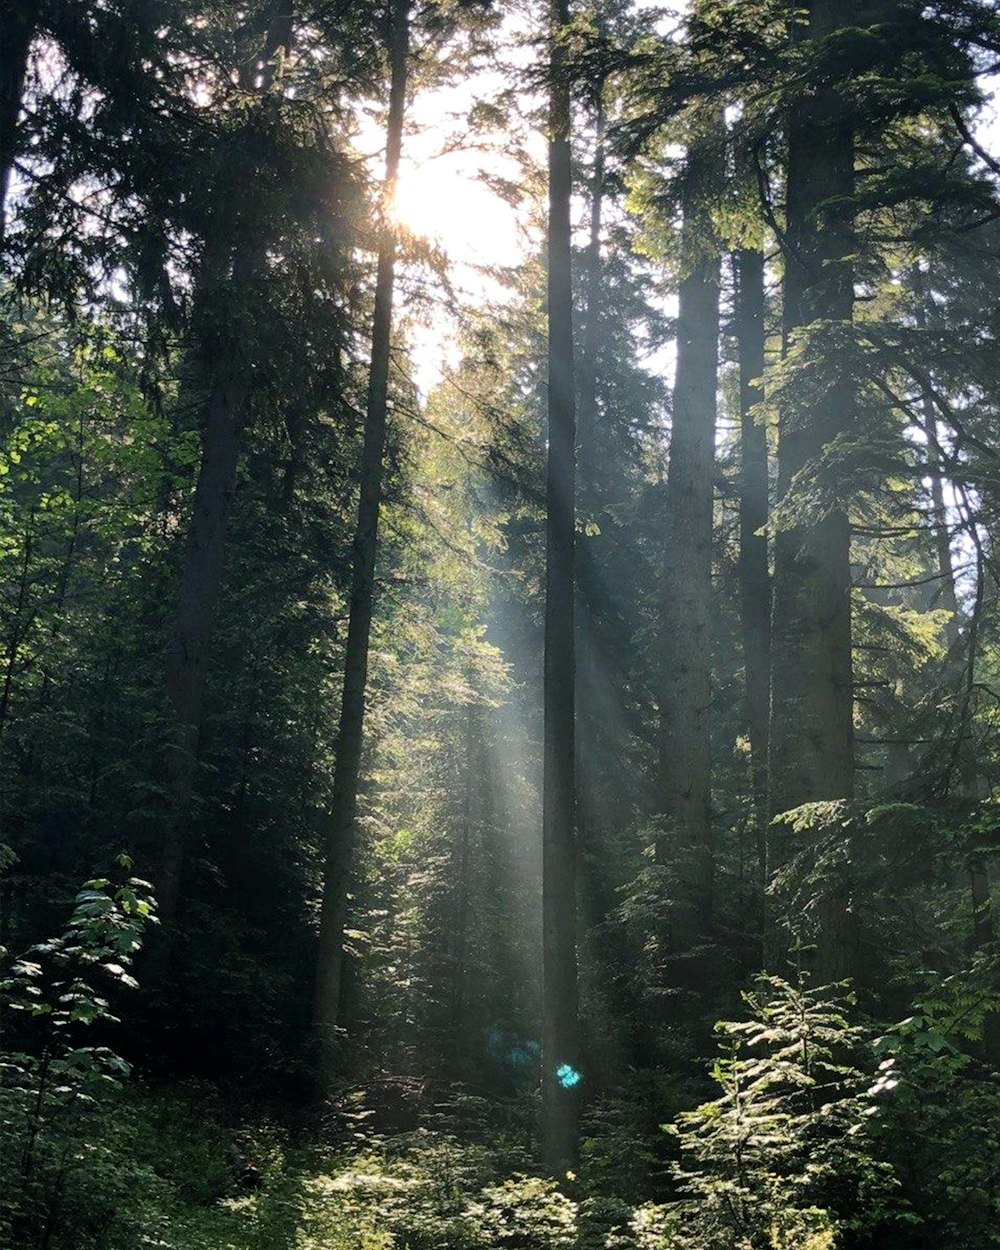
(201, 581)
(811, 732)
(754, 575)
(339, 823)
(19, 25)
(560, 1072)
(685, 762)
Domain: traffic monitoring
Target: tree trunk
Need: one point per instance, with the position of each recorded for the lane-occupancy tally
(685, 763)
(811, 733)
(19, 25)
(754, 576)
(339, 824)
(560, 1074)
(201, 581)
(946, 597)
(587, 399)
(20, 622)
(588, 574)
(204, 559)
(460, 960)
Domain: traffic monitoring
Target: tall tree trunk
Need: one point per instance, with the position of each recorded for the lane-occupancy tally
(587, 371)
(811, 734)
(947, 598)
(685, 763)
(560, 1075)
(588, 571)
(339, 824)
(754, 577)
(19, 25)
(201, 580)
(204, 558)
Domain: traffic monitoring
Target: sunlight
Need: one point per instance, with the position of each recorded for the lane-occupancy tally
(446, 769)
(445, 201)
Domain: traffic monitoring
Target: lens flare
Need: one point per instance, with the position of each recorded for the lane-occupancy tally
(567, 1076)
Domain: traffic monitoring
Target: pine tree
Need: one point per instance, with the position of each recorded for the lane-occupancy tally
(812, 698)
(686, 693)
(339, 825)
(560, 1073)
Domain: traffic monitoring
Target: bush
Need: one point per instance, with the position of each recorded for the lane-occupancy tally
(63, 1183)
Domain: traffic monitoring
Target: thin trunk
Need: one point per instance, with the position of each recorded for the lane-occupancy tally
(685, 763)
(204, 559)
(587, 675)
(901, 760)
(587, 398)
(340, 821)
(811, 734)
(18, 629)
(754, 577)
(19, 25)
(461, 947)
(947, 598)
(560, 1075)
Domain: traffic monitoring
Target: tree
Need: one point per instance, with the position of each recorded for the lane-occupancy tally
(20, 29)
(754, 573)
(780, 1157)
(339, 823)
(230, 257)
(812, 698)
(685, 762)
(587, 676)
(560, 1073)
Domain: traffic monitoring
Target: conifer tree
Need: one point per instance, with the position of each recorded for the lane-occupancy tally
(812, 697)
(229, 258)
(686, 693)
(339, 823)
(754, 572)
(560, 1059)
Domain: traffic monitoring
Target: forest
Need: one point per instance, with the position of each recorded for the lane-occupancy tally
(500, 624)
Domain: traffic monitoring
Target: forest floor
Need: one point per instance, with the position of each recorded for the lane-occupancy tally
(178, 1169)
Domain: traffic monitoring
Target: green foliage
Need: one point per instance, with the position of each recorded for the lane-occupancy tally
(938, 1112)
(782, 1157)
(54, 1092)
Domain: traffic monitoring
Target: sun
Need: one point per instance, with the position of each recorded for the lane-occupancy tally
(446, 202)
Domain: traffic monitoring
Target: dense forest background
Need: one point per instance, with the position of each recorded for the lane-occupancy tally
(499, 669)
